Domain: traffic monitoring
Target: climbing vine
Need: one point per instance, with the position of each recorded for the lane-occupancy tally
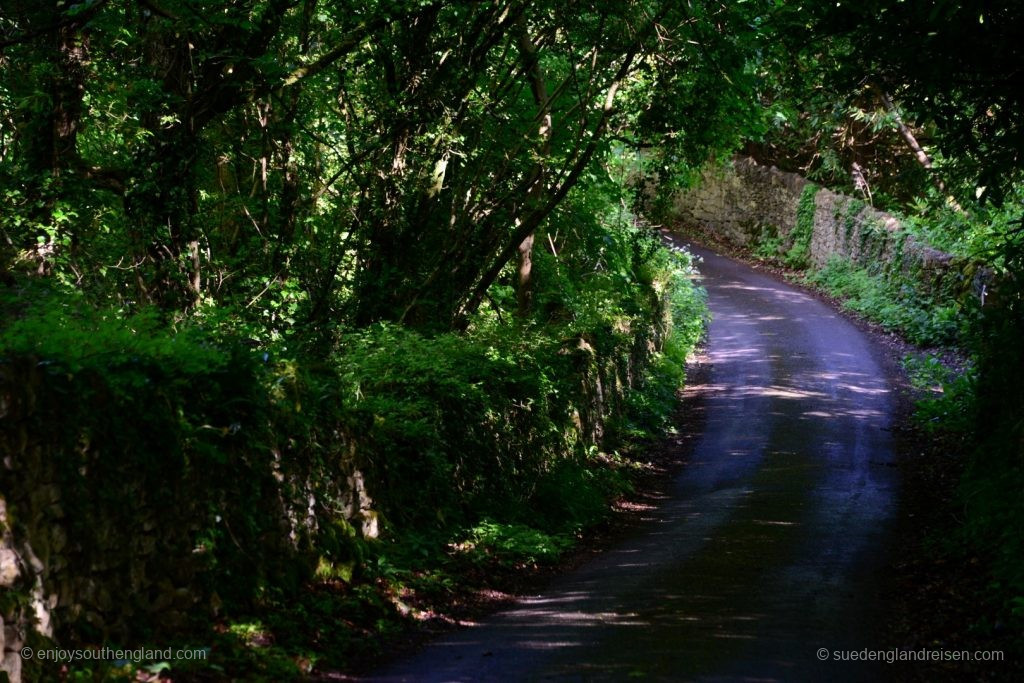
(798, 255)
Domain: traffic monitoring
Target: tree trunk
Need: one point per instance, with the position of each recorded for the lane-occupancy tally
(524, 272)
(531, 66)
(915, 147)
(905, 132)
(54, 134)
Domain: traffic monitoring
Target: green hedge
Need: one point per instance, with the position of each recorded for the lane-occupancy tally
(190, 471)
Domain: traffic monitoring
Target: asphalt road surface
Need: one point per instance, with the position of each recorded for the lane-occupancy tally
(767, 555)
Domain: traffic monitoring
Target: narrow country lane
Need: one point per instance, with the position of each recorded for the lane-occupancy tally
(770, 547)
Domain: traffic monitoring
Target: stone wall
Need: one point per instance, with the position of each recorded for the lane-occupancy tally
(737, 201)
(742, 201)
(138, 491)
(116, 520)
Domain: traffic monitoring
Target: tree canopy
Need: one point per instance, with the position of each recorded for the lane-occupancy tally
(338, 161)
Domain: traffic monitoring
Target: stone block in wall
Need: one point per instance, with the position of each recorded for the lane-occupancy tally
(9, 570)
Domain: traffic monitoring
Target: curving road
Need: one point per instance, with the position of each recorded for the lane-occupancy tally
(770, 547)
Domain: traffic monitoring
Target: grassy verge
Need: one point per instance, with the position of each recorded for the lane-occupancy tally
(895, 304)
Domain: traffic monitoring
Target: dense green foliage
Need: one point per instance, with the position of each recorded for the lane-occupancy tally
(801, 249)
(842, 78)
(307, 165)
(895, 303)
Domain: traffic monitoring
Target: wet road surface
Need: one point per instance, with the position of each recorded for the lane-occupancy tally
(769, 548)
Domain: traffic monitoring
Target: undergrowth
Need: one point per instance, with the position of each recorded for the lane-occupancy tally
(946, 396)
(950, 407)
(896, 305)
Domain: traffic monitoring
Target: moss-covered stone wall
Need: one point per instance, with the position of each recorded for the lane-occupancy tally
(742, 202)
